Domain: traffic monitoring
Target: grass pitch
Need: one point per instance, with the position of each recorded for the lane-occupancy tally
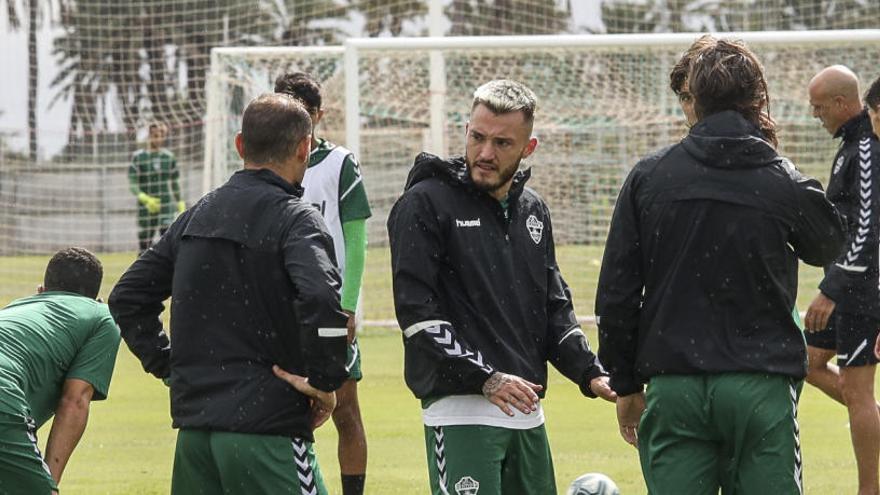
(128, 445)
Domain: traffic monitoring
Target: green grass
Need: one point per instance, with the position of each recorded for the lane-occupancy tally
(129, 444)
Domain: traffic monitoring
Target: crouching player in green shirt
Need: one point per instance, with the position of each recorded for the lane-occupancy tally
(154, 179)
(57, 351)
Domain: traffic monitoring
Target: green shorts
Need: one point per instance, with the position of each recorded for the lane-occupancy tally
(217, 462)
(353, 361)
(488, 460)
(734, 431)
(22, 470)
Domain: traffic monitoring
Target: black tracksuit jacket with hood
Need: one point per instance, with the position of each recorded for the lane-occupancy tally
(700, 268)
(253, 280)
(854, 188)
(477, 291)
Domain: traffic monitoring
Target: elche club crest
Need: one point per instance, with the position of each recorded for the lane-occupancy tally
(536, 228)
(467, 486)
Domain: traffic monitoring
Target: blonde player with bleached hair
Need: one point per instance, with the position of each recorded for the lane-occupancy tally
(483, 306)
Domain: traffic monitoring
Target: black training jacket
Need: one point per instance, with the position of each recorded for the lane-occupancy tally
(477, 292)
(253, 282)
(701, 264)
(854, 188)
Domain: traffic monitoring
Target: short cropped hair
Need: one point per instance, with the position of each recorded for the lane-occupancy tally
(301, 86)
(157, 125)
(272, 126)
(506, 96)
(872, 96)
(76, 270)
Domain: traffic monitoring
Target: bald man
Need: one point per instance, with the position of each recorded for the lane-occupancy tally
(844, 317)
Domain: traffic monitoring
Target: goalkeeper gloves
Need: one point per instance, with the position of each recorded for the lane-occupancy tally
(181, 207)
(151, 203)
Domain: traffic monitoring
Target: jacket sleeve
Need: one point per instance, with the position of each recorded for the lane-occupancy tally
(136, 303)
(619, 294)
(311, 266)
(568, 348)
(857, 251)
(417, 249)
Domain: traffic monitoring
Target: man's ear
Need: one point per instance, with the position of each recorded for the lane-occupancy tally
(239, 144)
(318, 116)
(530, 148)
(304, 149)
(40, 289)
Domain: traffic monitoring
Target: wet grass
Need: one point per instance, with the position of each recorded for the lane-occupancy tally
(129, 444)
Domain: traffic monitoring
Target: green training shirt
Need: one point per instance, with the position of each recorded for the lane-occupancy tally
(155, 173)
(48, 338)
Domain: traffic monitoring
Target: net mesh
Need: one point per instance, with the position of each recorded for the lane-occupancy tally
(84, 80)
(600, 110)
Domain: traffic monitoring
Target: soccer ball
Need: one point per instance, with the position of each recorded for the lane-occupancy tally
(593, 484)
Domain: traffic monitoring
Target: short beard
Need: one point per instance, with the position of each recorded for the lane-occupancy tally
(502, 179)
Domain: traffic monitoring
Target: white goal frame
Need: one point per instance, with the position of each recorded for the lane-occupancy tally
(354, 49)
(354, 46)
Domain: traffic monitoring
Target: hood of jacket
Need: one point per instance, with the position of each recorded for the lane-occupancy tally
(727, 140)
(454, 171)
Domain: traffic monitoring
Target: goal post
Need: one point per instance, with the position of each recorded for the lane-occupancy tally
(603, 102)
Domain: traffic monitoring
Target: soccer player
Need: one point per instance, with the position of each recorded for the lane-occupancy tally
(57, 352)
(844, 317)
(333, 184)
(696, 288)
(155, 181)
(679, 85)
(483, 306)
(254, 291)
(678, 79)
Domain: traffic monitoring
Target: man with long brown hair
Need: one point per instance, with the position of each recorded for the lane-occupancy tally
(697, 284)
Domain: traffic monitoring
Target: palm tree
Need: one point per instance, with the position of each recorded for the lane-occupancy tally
(632, 16)
(382, 15)
(32, 8)
(117, 52)
(502, 17)
(36, 10)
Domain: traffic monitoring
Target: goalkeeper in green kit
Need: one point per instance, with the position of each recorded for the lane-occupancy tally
(154, 179)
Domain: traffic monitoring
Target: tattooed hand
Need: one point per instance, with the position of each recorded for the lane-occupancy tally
(505, 390)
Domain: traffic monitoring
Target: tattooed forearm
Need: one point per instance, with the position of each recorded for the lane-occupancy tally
(495, 382)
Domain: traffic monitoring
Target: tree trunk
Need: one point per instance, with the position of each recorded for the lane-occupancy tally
(33, 82)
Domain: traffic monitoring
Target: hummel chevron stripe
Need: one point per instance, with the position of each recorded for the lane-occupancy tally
(418, 327)
(798, 461)
(307, 483)
(443, 336)
(440, 455)
(865, 188)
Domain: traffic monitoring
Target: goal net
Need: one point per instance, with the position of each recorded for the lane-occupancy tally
(604, 101)
(84, 79)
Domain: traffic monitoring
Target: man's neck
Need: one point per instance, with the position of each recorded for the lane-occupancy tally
(502, 192)
(283, 172)
(848, 118)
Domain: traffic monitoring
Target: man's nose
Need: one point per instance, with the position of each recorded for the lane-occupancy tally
(487, 152)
